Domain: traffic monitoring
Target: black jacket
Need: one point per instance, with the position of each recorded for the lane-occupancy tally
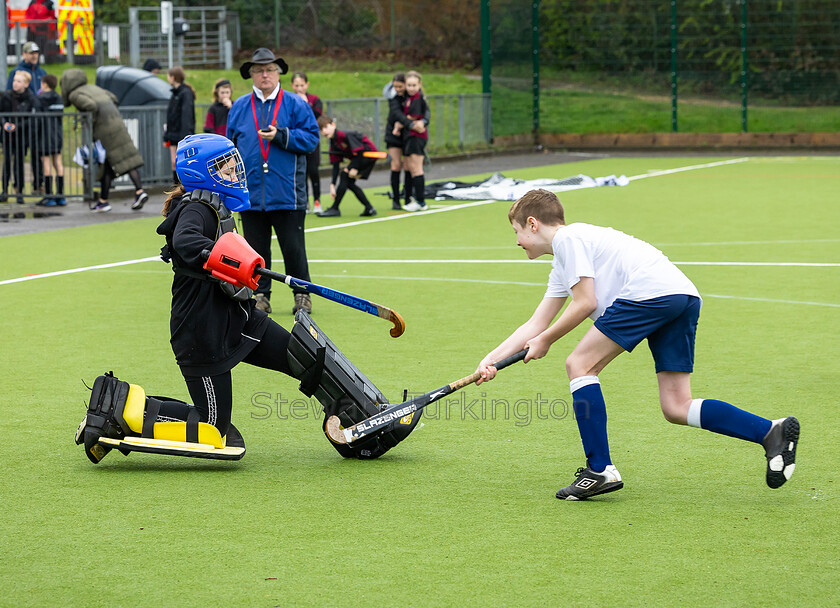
(17, 102)
(210, 333)
(180, 115)
(50, 132)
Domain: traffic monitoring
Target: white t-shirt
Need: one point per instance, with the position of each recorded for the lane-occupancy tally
(622, 266)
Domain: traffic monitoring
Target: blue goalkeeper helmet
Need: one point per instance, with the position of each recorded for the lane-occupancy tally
(207, 161)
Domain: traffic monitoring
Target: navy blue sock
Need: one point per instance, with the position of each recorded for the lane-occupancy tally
(726, 419)
(591, 416)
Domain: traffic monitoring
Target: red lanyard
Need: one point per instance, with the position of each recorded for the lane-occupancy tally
(277, 101)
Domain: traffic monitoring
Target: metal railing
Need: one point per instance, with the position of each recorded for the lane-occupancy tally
(27, 138)
(458, 122)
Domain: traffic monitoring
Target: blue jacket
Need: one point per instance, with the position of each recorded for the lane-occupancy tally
(284, 186)
(36, 71)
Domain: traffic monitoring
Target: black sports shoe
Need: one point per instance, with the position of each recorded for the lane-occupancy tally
(139, 201)
(780, 448)
(589, 483)
(331, 212)
(368, 212)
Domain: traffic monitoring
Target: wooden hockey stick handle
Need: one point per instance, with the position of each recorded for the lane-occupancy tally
(340, 435)
(467, 380)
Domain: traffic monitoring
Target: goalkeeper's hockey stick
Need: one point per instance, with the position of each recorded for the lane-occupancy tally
(377, 310)
(395, 412)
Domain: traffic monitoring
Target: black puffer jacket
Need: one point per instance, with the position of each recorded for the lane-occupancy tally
(210, 332)
(180, 115)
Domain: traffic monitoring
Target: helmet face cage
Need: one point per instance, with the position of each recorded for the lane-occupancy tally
(228, 170)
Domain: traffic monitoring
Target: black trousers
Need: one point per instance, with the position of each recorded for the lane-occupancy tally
(313, 163)
(14, 153)
(212, 396)
(108, 177)
(288, 225)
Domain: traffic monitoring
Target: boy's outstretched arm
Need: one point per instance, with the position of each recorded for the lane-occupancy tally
(582, 305)
(539, 321)
(537, 333)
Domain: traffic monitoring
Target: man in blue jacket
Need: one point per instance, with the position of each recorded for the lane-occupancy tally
(274, 133)
(31, 64)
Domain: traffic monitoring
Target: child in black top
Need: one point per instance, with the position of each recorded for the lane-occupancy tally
(216, 121)
(300, 85)
(16, 130)
(352, 145)
(52, 140)
(415, 137)
(395, 93)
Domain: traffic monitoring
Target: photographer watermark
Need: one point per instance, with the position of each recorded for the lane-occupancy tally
(521, 411)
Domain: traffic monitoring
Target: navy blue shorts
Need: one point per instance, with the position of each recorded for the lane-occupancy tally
(669, 323)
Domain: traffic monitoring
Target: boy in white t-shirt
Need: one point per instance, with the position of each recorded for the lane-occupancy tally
(632, 292)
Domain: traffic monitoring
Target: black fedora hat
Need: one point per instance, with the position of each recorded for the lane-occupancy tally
(262, 56)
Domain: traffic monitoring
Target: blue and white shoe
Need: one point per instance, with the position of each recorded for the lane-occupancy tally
(101, 207)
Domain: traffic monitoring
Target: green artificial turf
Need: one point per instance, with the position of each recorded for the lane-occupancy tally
(463, 512)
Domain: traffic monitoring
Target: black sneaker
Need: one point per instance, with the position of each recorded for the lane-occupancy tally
(368, 212)
(331, 212)
(589, 483)
(139, 201)
(780, 449)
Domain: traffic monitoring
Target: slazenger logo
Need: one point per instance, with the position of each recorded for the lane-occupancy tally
(435, 395)
(386, 417)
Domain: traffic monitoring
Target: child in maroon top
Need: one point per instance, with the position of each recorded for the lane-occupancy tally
(216, 121)
(352, 145)
(300, 85)
(414, 150)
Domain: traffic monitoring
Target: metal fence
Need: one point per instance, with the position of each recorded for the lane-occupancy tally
(690, 66)
(458, 122)
(26, 139)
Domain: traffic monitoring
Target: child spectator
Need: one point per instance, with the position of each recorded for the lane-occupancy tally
(415, 137)
(180, 115)
(300, 85)
(352, 145)
(52, 140)
(16, 130)
(216, 121)
(395, 93)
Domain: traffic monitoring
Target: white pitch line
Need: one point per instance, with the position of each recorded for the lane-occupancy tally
(59, 273)
(525, 284)
(419, 214)
(770, 300)
(433, 209)
(526, 261)
(719, 163)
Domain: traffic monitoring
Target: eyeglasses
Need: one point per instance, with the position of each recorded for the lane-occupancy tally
(261, 71)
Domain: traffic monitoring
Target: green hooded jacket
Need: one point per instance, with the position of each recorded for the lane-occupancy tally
(108, 125)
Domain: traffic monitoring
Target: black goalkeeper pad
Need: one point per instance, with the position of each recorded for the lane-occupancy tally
(342, 389)
(111, 411)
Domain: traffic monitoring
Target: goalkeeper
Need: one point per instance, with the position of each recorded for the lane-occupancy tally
(632, 292)
(214, 325)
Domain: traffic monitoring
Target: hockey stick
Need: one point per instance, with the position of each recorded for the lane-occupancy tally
(395, 412)
(228, 262)
(346, 299)
(366, 154)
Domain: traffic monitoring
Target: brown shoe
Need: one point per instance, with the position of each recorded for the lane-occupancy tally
(302, 302)
(262, 303)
